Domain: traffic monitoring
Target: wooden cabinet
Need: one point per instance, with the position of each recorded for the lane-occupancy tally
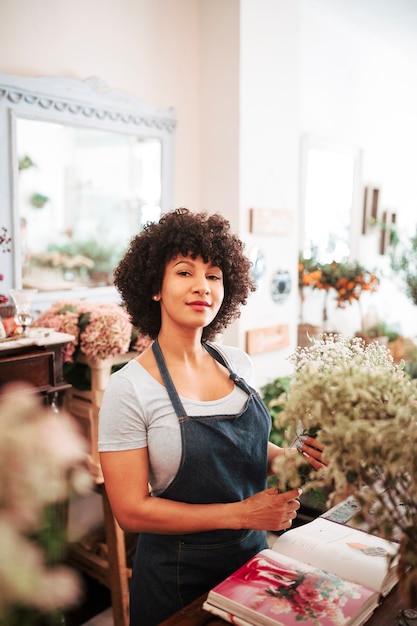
(36, 360)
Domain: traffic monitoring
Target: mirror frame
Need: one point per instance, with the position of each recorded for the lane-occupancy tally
(88, 103)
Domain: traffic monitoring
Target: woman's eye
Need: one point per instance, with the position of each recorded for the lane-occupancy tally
(214, 277)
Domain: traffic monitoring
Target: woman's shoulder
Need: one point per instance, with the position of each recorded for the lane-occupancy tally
(238, 359)
(131, 376)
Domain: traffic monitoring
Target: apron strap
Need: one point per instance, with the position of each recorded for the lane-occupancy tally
(166, 377)
(216, 354)
(169, 384)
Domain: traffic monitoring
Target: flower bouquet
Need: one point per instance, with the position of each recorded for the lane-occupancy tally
(363, 409)
(348, 280)
(101, 331)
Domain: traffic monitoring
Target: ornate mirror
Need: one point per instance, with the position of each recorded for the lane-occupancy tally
(82, 169)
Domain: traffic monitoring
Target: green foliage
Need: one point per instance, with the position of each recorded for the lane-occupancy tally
(38, 200)
(105, 257)
(78, 375)
(26, 163)
(404, 262)
(381, 329)
(273, 395)
(51, 538)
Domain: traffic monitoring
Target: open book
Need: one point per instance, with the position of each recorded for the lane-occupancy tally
(344, 513)
(322, 573)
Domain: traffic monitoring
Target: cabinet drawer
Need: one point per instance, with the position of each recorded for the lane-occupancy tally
(36, 369)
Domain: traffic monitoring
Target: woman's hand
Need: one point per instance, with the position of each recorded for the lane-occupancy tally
(271, 509)
(312, 451)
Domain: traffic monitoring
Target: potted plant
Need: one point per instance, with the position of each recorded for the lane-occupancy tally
(347, 279)
(364, 407)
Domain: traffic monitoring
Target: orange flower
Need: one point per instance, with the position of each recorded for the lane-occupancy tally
(348, 279)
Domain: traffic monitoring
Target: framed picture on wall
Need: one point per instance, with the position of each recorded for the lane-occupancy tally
(389, 220)
(370, 208)
(261, 340)
(276, 222)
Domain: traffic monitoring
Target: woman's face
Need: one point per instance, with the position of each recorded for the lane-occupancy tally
(192, 292)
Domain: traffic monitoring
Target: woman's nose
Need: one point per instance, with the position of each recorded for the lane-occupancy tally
(201, 285)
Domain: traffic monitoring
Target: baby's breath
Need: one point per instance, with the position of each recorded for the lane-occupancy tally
(365, 408)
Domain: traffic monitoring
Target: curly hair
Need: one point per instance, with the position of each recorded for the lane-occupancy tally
(139, 274)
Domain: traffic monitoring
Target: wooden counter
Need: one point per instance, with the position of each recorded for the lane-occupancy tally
(194, 615)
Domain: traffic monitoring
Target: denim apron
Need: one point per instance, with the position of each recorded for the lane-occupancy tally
(224, 459)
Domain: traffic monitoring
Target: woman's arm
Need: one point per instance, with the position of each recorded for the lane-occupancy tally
(126, 480)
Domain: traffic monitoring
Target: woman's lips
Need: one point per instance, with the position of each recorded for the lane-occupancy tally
(199, 305)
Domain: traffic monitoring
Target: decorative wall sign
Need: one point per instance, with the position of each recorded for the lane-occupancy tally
(262, 340)
(280, 286)
(271, 222)
(258, 269)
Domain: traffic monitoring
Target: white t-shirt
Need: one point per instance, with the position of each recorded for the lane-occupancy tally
(136, 412)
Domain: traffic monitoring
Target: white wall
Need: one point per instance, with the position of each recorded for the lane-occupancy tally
(269, 126)
(246, 78)
(358, 86)
(220, 106)
(358, 81)
(149, 48)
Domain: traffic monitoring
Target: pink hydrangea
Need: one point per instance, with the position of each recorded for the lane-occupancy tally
(104, 332)
(108, 332)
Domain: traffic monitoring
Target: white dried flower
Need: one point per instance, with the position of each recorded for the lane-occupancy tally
(365, 409)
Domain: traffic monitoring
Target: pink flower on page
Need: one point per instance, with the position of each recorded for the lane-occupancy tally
(307, 591)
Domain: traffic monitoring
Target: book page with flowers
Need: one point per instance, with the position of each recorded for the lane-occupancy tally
(342, 550)
(272, 589)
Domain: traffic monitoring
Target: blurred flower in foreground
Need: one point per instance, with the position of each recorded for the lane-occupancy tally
(43, 461)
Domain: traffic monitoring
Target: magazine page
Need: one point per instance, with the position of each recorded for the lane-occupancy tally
(348, 552)
(227, 617)
(344, 513)
(272, 589)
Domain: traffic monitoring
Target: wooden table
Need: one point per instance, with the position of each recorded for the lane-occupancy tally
(194, 615)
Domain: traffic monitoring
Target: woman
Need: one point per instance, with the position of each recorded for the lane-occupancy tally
(183, 438)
